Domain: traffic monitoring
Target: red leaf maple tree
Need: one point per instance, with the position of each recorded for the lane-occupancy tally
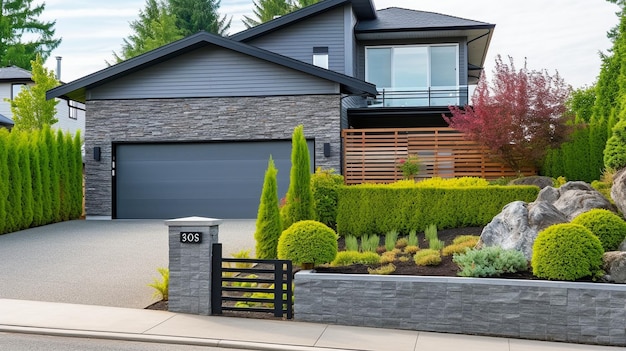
(518, 116)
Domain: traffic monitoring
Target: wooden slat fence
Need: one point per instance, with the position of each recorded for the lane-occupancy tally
(371, 155)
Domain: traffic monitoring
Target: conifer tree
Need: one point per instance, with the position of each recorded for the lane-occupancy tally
(4, 174)
(27, 182)
(77, 177)
(268, 227)
(64, 177)
(35, 170)
(44, 146)
(299, 199)
(14, 198)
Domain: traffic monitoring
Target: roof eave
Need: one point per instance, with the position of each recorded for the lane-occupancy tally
(425, 29)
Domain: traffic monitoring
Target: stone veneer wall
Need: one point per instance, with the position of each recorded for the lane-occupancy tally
(203, 119)
(591, 313)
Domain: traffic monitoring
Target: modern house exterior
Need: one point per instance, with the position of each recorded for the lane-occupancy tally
(70, 114)
(187, 129)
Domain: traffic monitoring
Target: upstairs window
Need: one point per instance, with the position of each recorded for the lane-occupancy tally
(409, 74)
(320, 57)
(73, 108)
(15, 89)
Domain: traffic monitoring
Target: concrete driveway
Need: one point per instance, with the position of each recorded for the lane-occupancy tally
(106, 263)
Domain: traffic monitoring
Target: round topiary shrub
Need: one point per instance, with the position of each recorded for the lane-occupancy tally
(567, 252)
(308, 242)
(606, 225)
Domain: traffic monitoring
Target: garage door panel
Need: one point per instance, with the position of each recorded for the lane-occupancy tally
(221, 180)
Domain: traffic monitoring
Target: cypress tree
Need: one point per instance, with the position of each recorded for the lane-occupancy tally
(35, 170)
(299, 199)
(64, 177)
(268, 227)
(54, 166)
(4, 175)
(27, 182)
(77, 177)
(44, 147)
(14, 208)
(615, 152)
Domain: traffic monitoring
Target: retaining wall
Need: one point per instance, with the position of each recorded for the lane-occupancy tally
(591, 313)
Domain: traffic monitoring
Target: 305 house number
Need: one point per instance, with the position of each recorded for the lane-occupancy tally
(191, 237)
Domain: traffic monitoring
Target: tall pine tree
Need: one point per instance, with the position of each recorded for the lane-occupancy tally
(19, 17)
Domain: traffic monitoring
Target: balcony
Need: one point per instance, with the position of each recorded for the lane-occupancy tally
(421, 97)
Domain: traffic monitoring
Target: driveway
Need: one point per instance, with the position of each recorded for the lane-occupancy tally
(106, 263)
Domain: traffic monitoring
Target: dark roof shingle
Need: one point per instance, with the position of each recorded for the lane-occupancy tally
(395, 18)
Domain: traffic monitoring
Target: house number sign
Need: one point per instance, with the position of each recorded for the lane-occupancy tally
(191, 237)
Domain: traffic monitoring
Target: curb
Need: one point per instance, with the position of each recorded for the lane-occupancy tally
(161, 339)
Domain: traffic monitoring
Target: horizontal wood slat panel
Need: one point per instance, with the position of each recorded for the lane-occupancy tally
(371, 155)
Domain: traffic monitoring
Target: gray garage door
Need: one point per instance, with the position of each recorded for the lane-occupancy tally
(218, 180)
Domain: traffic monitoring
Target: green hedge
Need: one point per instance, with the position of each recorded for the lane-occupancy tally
(374, 209)
(42, 173)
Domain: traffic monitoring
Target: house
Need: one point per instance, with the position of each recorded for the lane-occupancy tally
(187, 129)
(70, 114)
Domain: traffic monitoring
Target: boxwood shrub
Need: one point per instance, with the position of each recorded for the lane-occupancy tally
(606, 225)
(308, 242)
(374, 208)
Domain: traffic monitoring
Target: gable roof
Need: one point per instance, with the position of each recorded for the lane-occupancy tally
(76, 90)
(363, 9)
(399, 19)
(6, 121)
(13, 73)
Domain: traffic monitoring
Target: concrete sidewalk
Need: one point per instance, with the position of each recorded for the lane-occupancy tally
(61, 319)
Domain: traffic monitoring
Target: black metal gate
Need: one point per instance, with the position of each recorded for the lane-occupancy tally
(254, 285)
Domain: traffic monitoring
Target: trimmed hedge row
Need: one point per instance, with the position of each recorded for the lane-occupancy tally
(41, 178)
(373, 209)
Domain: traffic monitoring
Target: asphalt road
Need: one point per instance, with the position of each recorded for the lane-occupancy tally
(106, 263)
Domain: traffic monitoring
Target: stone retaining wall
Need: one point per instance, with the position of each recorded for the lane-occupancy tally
(591, 313)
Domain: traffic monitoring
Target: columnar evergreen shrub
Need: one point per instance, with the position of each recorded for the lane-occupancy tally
(14, 213)
(26, 181)
(44, 146)
(268, 227)
(37, 182)
(77, 176)
(324, 184)
(606, 225)
(308, 242)
(299, 199)
(615, 151)
(54, 167)
(64, 177)
(567, 252)
(4, 174)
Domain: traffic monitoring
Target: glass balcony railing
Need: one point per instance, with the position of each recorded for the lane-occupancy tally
(421, 97)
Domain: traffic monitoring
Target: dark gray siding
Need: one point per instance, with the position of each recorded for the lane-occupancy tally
(348, 102)
(462, 52)
(212, 72)
(297, 41)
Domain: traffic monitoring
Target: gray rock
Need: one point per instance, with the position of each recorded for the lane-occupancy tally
(618, 190)
(574, 198)
(622, 246)
(615, 266)
(539, 181)
(517, 226)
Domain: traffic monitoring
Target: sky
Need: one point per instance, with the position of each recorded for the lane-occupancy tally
(556, 35)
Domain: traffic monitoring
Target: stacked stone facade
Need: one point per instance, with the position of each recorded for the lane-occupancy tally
(202, 119)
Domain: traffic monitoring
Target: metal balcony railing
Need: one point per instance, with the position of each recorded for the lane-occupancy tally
(421, 97)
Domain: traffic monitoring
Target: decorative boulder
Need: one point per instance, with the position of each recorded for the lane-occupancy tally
(618, 190)
(517, 226)
(615, 266)
(622, 246)
(539, 181)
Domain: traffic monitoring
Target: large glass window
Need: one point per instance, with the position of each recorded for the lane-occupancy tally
(414, 75)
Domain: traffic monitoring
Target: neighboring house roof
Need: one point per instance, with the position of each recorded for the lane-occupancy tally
(76, 89)
(397, 23)
(14, 74)
(363, 9)
(6, 121)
